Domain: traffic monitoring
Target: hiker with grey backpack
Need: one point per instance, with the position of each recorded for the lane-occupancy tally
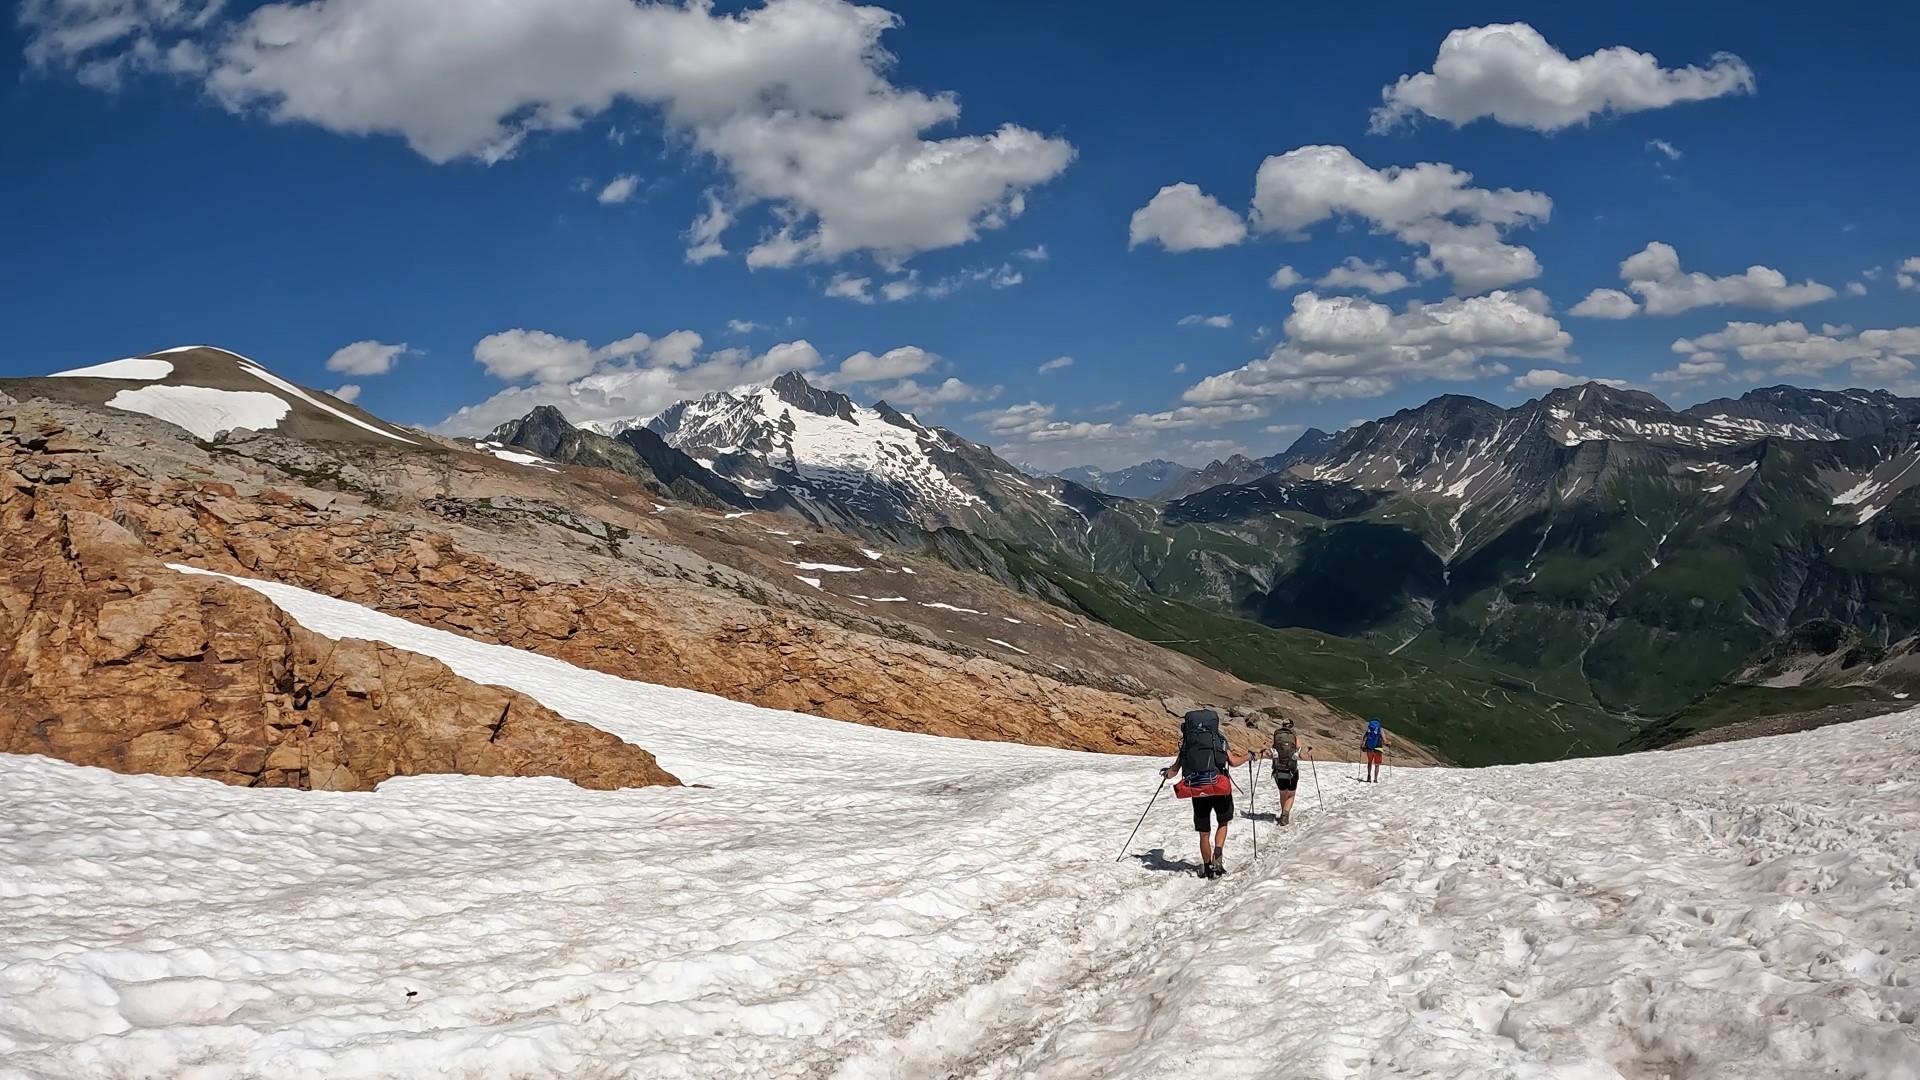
(1203, 766)
(1286, 752)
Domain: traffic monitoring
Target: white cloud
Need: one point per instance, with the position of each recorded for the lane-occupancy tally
(848, 287)
(1607, 304)
(1036, 433)
(1351, 347)
(1654, 274)
(1699, 366)
(1790, 349)
(910, 284)
(1356, 273)
(1280, 429)
(1183, 218)
(703, 236)
(1056, 364)
(1430, 205)
(791, 99)
(743, 326)
(1550, 379)
(347, 392)
(619, 189)
(1180, 368)
(1663, 146)
(911, 394)
(865, 367)
(636, 376)
(1511, 74)
(1036, 253)
(1908, 275)
(1856, 288)
(1285, 278)
(366, 358)
(1218, 322)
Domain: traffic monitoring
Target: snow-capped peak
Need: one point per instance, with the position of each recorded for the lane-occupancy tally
(795, 435)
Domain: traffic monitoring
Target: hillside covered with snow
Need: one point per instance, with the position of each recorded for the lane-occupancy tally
(847, 901)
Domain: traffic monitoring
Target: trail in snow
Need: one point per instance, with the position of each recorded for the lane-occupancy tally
(850, 902)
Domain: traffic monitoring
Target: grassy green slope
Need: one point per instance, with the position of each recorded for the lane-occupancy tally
(1733, 704)
(1471, 719)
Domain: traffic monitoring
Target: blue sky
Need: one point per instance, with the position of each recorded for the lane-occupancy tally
(398, 172)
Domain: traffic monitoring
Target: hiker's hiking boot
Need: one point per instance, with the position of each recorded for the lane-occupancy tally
(1285, 816)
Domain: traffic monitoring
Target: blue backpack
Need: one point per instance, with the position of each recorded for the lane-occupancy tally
(1374, 737)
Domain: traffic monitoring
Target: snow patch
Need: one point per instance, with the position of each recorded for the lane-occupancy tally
(813, 581)
(950, 607)
(137, 369)
(1006, 645)
(204, 411)
(283, 385)
(831, 568)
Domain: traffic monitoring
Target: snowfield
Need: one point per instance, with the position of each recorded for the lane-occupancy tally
(203, 411)
(850, 902)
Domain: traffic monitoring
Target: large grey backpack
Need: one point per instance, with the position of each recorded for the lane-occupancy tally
(1203, 750)
(1286, 752)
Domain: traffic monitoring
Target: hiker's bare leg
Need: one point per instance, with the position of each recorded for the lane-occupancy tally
(1220, 839)
(1206, 848)
(1286, 802)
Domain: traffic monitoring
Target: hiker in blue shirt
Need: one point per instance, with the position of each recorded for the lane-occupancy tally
(1372, 746)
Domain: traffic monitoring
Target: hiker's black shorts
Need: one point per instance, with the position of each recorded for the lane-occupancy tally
(1287, 781)
(1219, 807)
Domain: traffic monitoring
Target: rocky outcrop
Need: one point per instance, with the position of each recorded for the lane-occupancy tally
(595, 595)
(109, 658)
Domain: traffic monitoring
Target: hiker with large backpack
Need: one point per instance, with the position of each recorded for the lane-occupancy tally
(1286, 752)
(1372, 746)
(1203, 763)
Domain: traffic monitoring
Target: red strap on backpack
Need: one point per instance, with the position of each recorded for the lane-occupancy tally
(1222, 785)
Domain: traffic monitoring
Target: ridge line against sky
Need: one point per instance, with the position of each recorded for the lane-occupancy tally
(454, 212)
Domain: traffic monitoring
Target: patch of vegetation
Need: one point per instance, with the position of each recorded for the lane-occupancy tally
(1732, 704)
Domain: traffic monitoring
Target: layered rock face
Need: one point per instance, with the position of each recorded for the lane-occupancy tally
(109, 658)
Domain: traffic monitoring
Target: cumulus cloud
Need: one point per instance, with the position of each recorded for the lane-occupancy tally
(1285, 278)
(1509, 73)
(347, 392)
(1058, 363)
(1218, 322)
(366, 358)
(791, 99)
(1550, 379)
(1671, 151)
(1693, 369)
(637, 376)
(1607, 304)
(1791, 349)
(1181, 217)
(1357, 273)
(848, 287)
(1036, 253)
(1351, 347)
(703, 236)
(1654, 274)
(1036, 432)
(1908, 274)
(913, 395)
(910, 284)
(866, 367)
(1856, 288)
(619, 189)
(743, 326)
(1430, 205)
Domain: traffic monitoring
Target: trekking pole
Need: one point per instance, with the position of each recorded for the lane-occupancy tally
(1253, 821)
(1316, 781)
(1252, 804)
(1143, 818)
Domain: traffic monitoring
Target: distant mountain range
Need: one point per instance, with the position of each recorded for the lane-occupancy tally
(1143, 481)
(1573, 563)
